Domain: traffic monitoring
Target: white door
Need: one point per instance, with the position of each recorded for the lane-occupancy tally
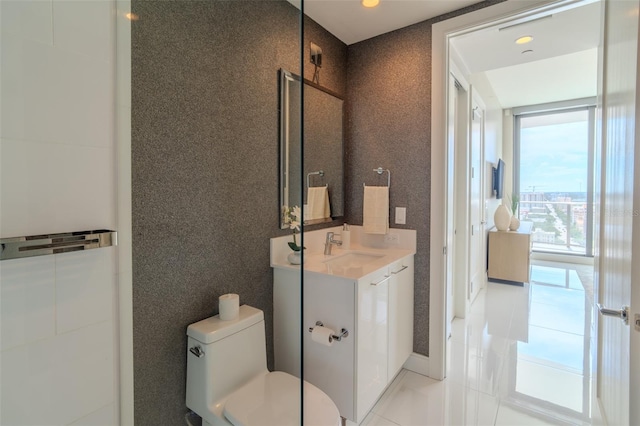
(618, 227)
(477, 251)
(452, 136)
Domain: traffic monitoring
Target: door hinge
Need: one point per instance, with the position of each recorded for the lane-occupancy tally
(636, 322)
(444, 250)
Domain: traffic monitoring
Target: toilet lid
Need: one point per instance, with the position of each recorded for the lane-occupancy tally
(273, 399)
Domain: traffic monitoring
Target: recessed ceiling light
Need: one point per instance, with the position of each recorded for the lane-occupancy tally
(524, 39)
(370, 3)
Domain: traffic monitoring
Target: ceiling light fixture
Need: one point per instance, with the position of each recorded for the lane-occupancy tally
(524, 39)
(370, 3)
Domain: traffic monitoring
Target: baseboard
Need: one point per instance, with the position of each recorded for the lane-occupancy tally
(417, 363)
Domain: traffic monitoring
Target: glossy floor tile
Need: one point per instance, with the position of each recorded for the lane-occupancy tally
(521, 357)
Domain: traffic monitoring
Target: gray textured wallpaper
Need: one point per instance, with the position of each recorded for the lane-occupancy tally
(205, 172)
(389, 113)
(205, 156)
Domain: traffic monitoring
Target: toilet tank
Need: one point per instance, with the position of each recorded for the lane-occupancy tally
(234, 353)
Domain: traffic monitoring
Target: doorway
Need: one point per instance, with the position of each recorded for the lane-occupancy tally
(504, 15)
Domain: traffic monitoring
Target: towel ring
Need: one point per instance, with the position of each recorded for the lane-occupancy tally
(320, 173)
(379, 171)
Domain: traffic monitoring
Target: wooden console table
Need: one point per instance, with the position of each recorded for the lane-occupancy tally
(509, 254)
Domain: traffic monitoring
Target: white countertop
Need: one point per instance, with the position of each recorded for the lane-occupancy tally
(317, 262)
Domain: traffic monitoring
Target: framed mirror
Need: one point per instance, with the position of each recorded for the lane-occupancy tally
(316, 183)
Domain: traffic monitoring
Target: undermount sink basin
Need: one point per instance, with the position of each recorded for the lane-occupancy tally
(353, 260)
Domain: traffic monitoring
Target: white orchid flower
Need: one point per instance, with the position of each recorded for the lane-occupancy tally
(295, 213)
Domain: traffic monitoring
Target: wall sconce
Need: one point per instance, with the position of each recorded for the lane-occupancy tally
(316, 60)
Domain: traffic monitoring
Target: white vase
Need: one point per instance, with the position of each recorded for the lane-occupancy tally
(514, 224)
(295, 258)
(502, 218)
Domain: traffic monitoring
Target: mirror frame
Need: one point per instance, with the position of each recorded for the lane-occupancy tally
(285, 78)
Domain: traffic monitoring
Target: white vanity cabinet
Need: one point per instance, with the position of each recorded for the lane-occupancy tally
(377, 311)
(400, 314)
(371, 340)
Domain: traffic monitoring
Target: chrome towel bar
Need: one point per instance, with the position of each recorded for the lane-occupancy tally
(39, 245)
(379, 171)
(318, 173)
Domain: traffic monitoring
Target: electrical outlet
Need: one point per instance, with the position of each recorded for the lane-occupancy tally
(392, 239)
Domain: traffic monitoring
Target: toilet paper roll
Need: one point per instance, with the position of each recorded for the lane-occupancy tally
(322, 335)
(229, 306)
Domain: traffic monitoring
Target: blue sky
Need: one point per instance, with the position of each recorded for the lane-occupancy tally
(554, 158)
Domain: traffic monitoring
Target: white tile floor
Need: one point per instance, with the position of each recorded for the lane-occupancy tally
(520, 358)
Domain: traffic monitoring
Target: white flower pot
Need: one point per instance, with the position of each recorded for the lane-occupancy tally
(295, 258)
(502, 218)
(514, 224)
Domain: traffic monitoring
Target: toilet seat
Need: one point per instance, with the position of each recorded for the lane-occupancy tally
(273, 399)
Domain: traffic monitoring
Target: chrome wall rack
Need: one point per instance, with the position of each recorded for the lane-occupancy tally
(379, 171)
(319, 173)
(39, 245)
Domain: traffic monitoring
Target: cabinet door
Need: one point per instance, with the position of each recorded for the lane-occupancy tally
(509, 256)
(400, 315)
(331, 368)
(373, 308)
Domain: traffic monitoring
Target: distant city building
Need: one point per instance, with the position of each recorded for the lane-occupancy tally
(532, 202)
(540, 236)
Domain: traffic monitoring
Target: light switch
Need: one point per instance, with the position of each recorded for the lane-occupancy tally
(401, 215)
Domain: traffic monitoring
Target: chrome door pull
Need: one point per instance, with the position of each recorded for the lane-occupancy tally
(623, 313)
(386, 277)
(399, 270)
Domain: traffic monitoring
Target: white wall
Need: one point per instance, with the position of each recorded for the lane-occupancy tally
(59, 342)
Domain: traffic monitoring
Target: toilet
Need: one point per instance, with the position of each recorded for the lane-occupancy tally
(228, 382)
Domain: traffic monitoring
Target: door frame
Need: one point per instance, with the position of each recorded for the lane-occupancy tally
(439, 238)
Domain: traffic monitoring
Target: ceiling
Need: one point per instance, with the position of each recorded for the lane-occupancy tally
(562, 63)
(561, 66)
(351, 22)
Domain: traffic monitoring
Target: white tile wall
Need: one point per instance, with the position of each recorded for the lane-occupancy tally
(84, 288)
(27, 298)
(31, 20)
(49, 188)
(84, 27)
(57, 358)
(54, 95)
(59, 380)
(105, 416)
(58, 174)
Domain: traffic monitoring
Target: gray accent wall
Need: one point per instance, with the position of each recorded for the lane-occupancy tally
(389, 113)
(205, 172)
(205, 156)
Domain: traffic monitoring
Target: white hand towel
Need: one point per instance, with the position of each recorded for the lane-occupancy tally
(375, 211)
(318, 203)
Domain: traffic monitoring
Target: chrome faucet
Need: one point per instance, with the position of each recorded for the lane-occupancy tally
(330, 242)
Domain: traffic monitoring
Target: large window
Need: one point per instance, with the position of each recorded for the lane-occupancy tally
(553, 177)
